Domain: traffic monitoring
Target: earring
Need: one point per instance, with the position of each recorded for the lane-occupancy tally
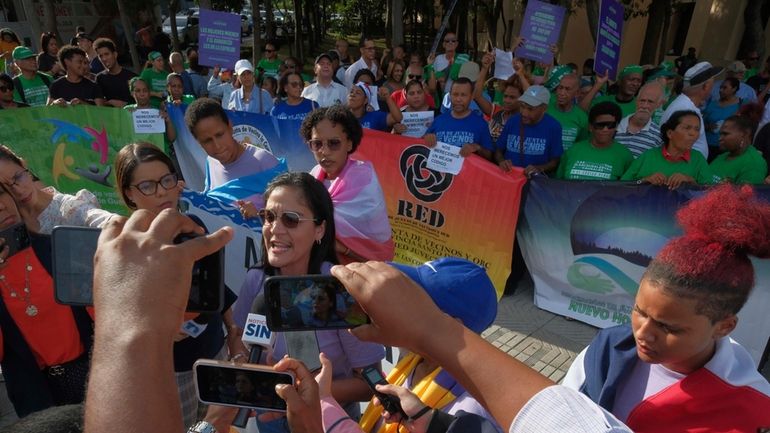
(318, 241)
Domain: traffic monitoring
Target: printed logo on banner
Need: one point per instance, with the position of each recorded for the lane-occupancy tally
(251, 135)
(423, 183)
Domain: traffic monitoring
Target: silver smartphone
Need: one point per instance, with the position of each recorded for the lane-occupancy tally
(240, 385)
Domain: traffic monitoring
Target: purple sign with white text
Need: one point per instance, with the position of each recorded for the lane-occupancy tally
(541, 29)
(608, 38)
(219, 39)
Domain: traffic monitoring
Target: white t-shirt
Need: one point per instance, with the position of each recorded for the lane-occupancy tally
(326, 96)
(351, 72)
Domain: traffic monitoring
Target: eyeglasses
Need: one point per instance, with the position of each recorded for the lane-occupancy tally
(295, 83)
(605, 125)
(5, 88)
(333, 144)
(450, 41)
(289, 219)
(150, 187)
(267, 50)
(414, 77)
(20, 177)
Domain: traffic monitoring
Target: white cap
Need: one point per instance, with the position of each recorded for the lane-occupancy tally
(536, 96)
(243, 65)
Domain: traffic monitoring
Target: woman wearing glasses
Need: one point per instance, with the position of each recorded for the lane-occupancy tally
(147, 180)
(299, 239)
(42, 208)
(6, 94)
(360, 216)
(600, 157)
(293, 106)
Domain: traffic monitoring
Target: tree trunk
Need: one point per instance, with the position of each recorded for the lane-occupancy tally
(50, 19)
(655, 22)
(173, 8)
(309, 33)
(592, 10)
(397, 20)
(270, 20)
(256, 37)
(664, 36)
(754, 32)
(126, 23)
(315, 16)
(34, 23)
(298, 28)
(389, 23)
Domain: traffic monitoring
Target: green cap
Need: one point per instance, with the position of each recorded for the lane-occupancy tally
(154, 55)
(556, 75)
(21, 53)
(631, 69)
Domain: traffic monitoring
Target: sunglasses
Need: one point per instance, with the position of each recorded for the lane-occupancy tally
(150, 187)
(605, 125)
(414, 77)
(290, 220)
(333, 144)
(5, 88)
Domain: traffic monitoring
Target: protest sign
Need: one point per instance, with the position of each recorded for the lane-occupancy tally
(435, 214)
(445, 158)
(219, 38)
(607, 53)
(73, 148)
(148, 121)
(416, 122)
(587, 245)
(540, 29)
(503, 64)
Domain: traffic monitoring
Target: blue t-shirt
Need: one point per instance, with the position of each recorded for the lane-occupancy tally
(714, 116)
(375, 120)
(470, 129)
(284, 111)
(542, 142)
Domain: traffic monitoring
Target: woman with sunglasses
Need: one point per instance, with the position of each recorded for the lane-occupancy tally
(42, 208)
(299, 239)
(292, 106)
(147, 180)
(6, 94)
(674, 164)
(360, 216)
(600, 157)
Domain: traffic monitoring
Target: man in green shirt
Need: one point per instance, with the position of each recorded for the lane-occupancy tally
(629, 82)
(30, 86)
(573, 120)
(269, 64)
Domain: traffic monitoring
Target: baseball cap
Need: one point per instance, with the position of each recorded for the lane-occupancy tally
(154, 55)
(536, 96)
(333, 55)
(736, 66)
(365, 88)
(243, 65)
(469, 70)
(84, 36)
(323, 56)
(459, 288)
(700, 73)
(21, 53)
(556, 75)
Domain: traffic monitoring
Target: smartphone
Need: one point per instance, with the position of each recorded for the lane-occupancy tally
(16, 238)
(310, 302)
(73, 271)
(303, 346)
(373, 376)
(240, 385)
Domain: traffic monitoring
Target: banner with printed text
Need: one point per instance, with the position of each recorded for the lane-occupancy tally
(73, 148)
(471, 215)
(587, 245)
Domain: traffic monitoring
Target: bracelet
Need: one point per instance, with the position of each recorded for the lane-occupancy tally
(238, 355)
(422, 412)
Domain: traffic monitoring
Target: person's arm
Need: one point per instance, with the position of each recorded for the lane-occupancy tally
(117, 103)
(141, 285)
(601, 80)
(394, 113)
(431, 73)
(548, 167)
(486, 107)
(498, 381)
(170, 130)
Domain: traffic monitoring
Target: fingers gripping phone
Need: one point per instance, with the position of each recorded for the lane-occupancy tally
(310, 302)
(16, 238)
(240, 385)
(373, 376)
(73, 271)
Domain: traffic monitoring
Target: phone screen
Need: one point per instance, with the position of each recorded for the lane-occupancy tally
(373, 376)
(243, 387)
(73, 269)
(310, 302)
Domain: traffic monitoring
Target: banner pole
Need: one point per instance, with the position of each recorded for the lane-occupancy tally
(443, 27)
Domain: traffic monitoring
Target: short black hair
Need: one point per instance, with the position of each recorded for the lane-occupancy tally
(362, 41)
(734, 82)
(67, 52)
(105, 43)
(362, 72)
(338, 115)
(606, 107)
(462, 80)
(674, 121)
(203, 108)
(7, 80)
(283, 81)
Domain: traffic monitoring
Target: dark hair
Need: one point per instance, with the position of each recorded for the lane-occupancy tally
(173, 75)
(105, 43)
(11, 33)
(7, 79)
(203, 108)
(515, 83)
(316, 197)
(132, 82)
(129, 157)
(734, 82)
(270, 42)
(673, 122)
(267, 79)
(745, 124)
(752, 111)
(362, 41)
(411, 84)
(284, 81)
(9, 155)
(55, 419)
(67, 52)
(45, 39)
(602, 108)
(710, 263)
(462, 80)
(338, 115)
(362, 72)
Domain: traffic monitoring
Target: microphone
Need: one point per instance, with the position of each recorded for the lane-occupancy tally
(258, 336)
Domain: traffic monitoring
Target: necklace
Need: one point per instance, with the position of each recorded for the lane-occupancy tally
(31, 309)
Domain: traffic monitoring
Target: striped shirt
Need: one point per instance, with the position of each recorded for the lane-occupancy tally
(647, 138)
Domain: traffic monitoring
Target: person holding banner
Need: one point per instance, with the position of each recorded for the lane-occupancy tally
(360, 214)
(249, 97)
(140, 91)
(740, 162)
(675, 368)
(293, 105)
(674, 164)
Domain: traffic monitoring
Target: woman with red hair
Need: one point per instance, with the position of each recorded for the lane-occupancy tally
(675, 369)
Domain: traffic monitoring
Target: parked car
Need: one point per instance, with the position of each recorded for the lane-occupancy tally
(186, 27)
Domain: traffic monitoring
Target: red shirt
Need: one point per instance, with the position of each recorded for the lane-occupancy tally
(683, 157)
(399, 96)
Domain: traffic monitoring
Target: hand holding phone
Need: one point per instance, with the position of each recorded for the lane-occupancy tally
(240, 385)
(373, 377)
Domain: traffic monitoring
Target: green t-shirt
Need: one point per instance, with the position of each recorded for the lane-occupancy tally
(157, 83)
(628, 108)
(270, 67)
(652, 161)
(583, 161)
(749, 167)
(574, 123)
(35, 91)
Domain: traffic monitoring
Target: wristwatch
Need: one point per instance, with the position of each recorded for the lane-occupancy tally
(202, 427)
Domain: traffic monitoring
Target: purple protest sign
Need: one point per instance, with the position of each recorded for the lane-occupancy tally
(540, 30)
(608, 38)
(219, 39)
